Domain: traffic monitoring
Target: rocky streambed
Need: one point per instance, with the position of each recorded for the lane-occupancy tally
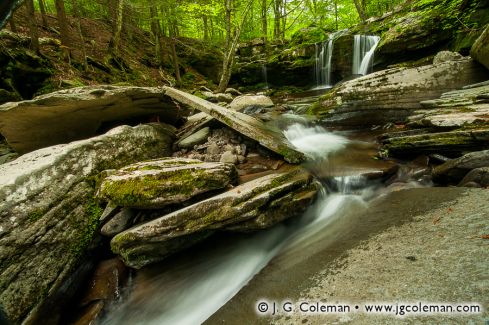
(86, 204)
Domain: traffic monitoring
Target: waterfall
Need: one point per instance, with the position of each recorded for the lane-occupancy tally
(324, 52)
(363, 53)
(264, 74)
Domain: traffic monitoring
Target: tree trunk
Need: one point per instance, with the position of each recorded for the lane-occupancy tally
(277, 13)
(63, 28)
(206, 28)
(42, 8)
(32, 26)
(175, 62)
(76, 12)
(13, 27)
(156, 30)
(360, 10)
(264, 27)
(228, 61)
(228, 7)
(116, 33)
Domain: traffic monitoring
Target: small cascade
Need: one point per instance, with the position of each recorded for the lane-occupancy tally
(363, 53)
(264, 74)
(324, 52)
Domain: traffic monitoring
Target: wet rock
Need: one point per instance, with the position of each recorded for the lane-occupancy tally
(479, 176)
(213, 149)
(242, 102)
(217, 98)
(252, 205)
(459, 108)
(455, 169)
(158, 183)
(49, 218)
(118, 223)
(105, 287)
(229, 157)
(233, 92)
(273, 139)
(197, 138)
(80, 113)
(480, 48)
(394, 94)
(452, 143)
(445, 56)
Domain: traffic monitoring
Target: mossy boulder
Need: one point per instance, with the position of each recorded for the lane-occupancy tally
(394, 94)
(454, 170)
(480, 49)
(49, 217)
(158, 183)
(254, 205)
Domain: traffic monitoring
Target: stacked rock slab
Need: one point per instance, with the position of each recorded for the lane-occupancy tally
(48, 217)
(253, 205)
(394, 94)
(157, 183)
(79, 113)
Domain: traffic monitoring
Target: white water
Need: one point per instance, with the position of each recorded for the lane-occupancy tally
(190, 289)
(264, 74)
(315, 142)
(324, 53)
(363, 53)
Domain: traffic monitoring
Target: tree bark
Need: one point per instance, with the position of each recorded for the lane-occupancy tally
(264, 27)
(76, 12)
(42, 8)
(156, 30)
(63, 27)
(206, 28)
(228, 8)
(228, 61)
(360, 10)
(116, 33)
(32, 26)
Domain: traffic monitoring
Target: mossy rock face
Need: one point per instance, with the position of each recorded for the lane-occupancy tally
(22, 73)
(251, 206)
(158, 183)
(49, 217)
(480, 50)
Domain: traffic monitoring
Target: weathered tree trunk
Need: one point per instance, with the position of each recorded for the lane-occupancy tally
(42, 8)
(63, 28)
(32, 26)
(360, 10)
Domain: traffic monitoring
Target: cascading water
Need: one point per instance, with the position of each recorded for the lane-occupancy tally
(363, 53)
(324, 52)
(264, 74)
(194, 285)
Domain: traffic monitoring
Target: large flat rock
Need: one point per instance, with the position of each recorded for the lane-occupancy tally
(80, 113)
(253, 205)
(394, 94)
(242, 123)
(48, 215)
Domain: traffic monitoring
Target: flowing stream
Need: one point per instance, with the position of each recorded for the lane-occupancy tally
(363, 53)
(193, 285)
